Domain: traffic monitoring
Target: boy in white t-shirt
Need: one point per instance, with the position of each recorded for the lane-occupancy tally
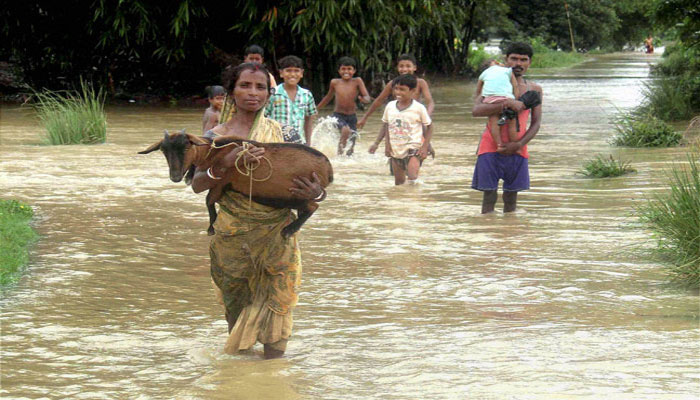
(408, 129)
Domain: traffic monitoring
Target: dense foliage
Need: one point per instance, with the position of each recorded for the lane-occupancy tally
(176, 47)
(607, 24)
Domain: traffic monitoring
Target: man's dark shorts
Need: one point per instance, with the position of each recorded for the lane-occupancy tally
(349, 120)
(491, 167)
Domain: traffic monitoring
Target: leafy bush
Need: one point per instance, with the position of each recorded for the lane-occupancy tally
(644, 131)
(675, 95)
(72, 117)
(15, 237)
(605, 167)
(477, 57)
(674, 218)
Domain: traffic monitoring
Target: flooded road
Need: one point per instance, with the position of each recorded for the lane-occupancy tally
(408, 292)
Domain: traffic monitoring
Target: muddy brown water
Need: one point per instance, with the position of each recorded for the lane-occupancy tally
(408, 292)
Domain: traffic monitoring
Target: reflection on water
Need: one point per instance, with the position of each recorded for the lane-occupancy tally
(408, 291)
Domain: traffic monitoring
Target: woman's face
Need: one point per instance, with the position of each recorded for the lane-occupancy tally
(251, 91)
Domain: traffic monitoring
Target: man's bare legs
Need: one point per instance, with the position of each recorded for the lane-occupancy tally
(488, 204)
(509, 201)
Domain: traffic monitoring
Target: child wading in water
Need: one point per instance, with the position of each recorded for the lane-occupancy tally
(212, 115)
(346, 90)
(498, 84)
(291, 105)
(408, 129)
(406, 64)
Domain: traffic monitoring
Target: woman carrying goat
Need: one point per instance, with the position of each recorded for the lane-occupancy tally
(256, 270)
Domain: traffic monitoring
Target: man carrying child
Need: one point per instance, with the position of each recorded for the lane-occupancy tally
(508, 162)
(408, 129)
(291, 105)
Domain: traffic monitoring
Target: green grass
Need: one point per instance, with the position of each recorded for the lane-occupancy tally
(555, 59)
(639, 130)
(545, 57)
(605, 167)
(73, 117)
(15, 237)
(674, 218)
(669, 99)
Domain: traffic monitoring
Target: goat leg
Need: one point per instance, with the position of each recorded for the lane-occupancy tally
(303, 213)
(212, 215)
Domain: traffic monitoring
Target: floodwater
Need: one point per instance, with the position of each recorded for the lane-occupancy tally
(408, 292)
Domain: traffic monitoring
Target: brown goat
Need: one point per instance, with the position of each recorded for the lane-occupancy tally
(183, 152)
(280, 165)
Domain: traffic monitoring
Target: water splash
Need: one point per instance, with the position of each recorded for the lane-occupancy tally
(325, 136)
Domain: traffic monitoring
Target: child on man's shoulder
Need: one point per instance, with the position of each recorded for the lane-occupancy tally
(291, 105)
(408, 130)
(212, 114)
(346, 89)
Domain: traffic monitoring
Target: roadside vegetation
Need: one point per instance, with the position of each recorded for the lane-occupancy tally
(546, 57)
(674, 218)
(72, 117)
(605, 167)
(674, 92)
(15, 238)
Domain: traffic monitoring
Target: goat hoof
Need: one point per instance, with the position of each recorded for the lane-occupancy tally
(211, 231)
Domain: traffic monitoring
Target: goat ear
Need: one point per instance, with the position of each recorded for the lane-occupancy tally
(195, 140)
(154, 146)
(165, 134)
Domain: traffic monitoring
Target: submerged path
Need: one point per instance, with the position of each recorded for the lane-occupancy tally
(408, 292)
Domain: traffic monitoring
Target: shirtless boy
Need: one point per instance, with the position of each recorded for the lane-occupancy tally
(346, 90)
(212, 114)
(406, 65)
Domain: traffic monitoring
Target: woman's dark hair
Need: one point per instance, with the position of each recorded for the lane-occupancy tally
(408, 57)
(254, 49)
(519, 48)
(406, 80)
(291, 62)
(349, 61)
(231, 75)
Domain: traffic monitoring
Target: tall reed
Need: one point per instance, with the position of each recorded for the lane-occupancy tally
(674, 217)
(72, 117)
